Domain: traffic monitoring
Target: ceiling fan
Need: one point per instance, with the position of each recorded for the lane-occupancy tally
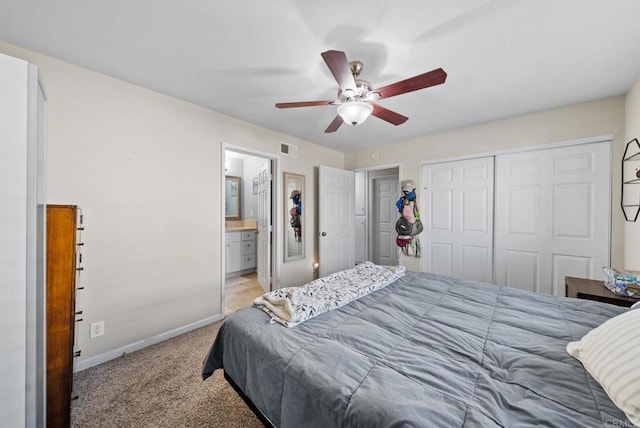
(357, 100)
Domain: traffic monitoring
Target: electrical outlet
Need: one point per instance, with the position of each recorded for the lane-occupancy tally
(97, 329)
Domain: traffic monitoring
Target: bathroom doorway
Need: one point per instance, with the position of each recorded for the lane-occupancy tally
(248, 228)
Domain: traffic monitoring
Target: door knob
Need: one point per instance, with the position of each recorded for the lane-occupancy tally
(324, 233)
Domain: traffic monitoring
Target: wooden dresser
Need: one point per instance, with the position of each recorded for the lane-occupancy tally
(63, 265)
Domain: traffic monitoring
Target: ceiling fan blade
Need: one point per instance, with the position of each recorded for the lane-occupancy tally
(421, 81)
(304, 104)
(339, 67)
(334, 125)
(388, 115)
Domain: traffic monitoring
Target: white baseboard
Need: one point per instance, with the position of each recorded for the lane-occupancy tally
(136, 346)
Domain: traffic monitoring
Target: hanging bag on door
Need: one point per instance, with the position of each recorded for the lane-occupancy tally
(403, 227)
(412, 248)
(417, 225)
(409, 224)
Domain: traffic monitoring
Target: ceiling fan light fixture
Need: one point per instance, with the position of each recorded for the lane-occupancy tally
(355, 112)
(357, 100)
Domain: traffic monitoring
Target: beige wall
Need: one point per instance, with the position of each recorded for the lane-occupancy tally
(574, 122)
(146, 170)
(632, 130)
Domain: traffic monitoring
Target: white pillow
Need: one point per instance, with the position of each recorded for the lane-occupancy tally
(611, 354)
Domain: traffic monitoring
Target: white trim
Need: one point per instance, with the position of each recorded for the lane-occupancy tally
(610, 202)
(589, 140)
(250, 152)
(223, 244)
(377, 167)
(278, 215)
(140, 344)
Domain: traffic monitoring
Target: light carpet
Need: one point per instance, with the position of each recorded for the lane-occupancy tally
(159, 386)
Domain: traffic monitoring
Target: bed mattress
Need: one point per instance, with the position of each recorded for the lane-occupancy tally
(427, 350)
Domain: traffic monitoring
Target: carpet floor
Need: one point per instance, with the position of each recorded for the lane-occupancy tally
(159, 386)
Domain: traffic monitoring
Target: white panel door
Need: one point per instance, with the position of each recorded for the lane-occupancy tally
(457, 212)
(385, 214)
(264, 227)
(336, 216)
(552, 216)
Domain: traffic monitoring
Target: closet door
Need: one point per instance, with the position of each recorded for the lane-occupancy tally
(457, 212)
(552, 216)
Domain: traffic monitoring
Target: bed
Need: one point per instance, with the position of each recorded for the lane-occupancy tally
(426, 350)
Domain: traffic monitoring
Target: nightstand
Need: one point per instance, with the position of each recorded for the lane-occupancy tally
(592, 289)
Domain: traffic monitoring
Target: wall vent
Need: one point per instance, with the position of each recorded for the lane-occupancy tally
(289, 150)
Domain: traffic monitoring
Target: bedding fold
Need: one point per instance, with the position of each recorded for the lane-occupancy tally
(291, 306)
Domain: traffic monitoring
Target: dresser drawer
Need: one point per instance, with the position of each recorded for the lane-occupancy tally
(248, 261)
(248, 248)
(249, 236)
(233, 237)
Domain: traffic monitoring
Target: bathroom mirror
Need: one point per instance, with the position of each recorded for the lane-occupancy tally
(294, 228)
(232, 198)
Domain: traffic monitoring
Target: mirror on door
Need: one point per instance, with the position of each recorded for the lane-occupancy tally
(232, 198)
(294, 227)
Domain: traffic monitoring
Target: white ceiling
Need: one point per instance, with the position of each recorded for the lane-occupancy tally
(240, 57)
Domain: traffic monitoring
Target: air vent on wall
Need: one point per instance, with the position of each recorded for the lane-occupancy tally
(289, 150)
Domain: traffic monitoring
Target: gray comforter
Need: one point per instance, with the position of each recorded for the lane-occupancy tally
(426, 351)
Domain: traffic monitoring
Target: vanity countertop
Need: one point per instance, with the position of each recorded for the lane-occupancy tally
(238, 228)
(240, 225)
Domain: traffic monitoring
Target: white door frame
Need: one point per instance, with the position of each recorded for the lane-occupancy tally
(276, 197)
(588, 140)
(367, 202)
